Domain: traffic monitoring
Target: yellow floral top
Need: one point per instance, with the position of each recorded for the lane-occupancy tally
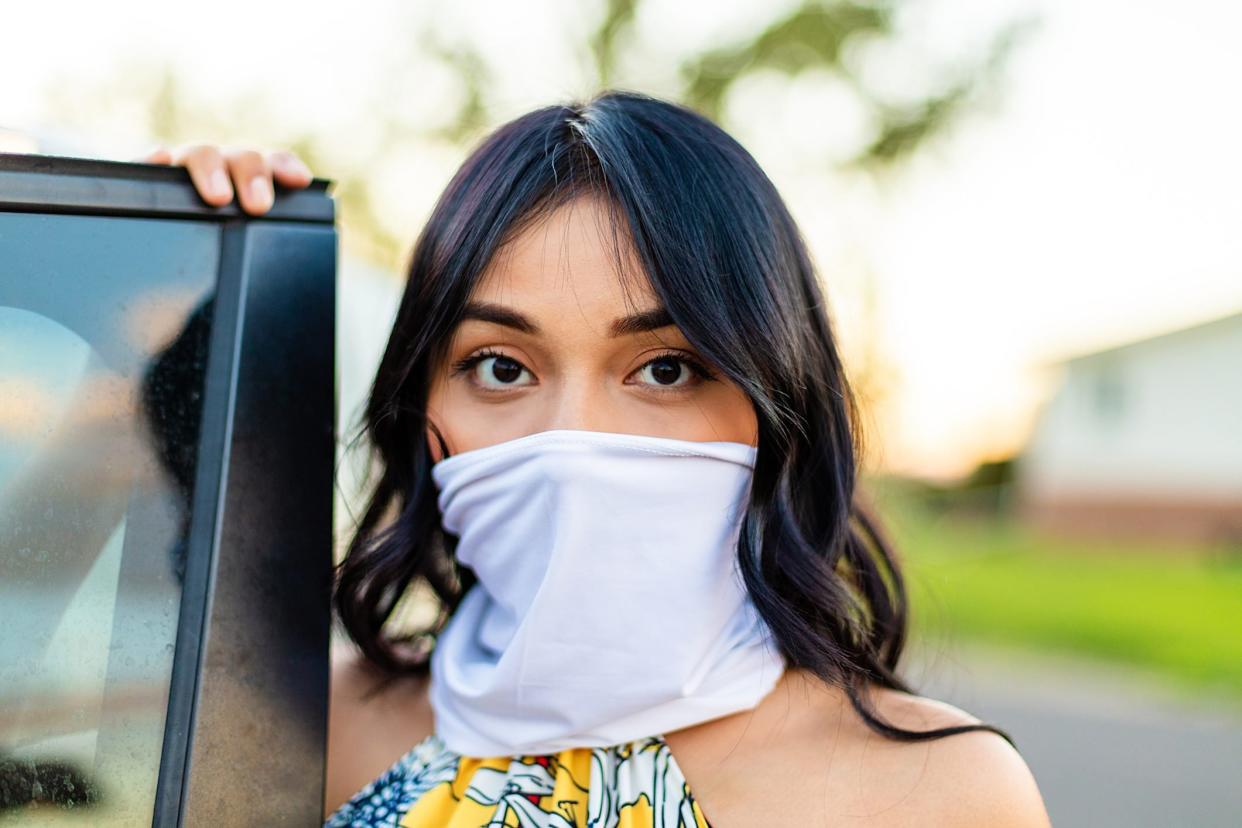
(633, 785)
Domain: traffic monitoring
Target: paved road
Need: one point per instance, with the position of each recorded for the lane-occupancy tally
(1109, 747)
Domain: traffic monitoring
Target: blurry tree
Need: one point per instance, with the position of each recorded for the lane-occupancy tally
(811, 36)
(814, 35)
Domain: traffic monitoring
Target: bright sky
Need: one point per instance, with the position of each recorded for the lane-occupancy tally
(1097, 202)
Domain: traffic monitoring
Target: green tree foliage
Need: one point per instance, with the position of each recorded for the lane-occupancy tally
(813, 36)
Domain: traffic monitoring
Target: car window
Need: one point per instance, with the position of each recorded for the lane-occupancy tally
(167, 445)
(104, 324)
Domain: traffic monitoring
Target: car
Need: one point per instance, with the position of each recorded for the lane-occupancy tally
(167, 434)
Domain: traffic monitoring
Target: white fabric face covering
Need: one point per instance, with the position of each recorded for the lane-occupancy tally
(609, 606)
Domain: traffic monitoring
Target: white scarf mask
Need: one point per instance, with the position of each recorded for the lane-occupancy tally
(609, 606)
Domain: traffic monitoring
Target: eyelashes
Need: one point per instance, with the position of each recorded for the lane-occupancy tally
(698, 370)
(467, 364)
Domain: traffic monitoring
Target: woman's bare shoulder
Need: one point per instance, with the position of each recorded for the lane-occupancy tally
(970, 778)
(806, 757)
(370, 725)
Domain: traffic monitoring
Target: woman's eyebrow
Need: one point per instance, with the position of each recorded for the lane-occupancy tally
(648, 320)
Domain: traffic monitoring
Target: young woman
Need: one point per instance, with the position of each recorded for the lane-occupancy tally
(619, 450)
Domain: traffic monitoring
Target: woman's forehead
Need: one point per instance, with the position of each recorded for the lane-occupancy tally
(569, 256)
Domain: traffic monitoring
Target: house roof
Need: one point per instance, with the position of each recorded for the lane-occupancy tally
(1233, 318)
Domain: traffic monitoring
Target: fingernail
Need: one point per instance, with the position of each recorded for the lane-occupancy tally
(219, 183)
(294, 165)
(262, 192)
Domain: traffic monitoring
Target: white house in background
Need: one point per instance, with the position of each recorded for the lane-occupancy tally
(1143, 438)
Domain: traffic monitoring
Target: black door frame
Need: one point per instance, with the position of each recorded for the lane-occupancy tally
(246, 725)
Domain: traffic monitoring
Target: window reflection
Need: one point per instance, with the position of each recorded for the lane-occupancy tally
(103, 349)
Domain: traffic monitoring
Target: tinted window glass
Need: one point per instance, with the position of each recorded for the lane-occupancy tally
(103, 347)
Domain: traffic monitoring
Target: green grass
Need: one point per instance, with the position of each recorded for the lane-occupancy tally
(1174, 608)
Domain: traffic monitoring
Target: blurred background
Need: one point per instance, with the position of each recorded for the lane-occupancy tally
(1024, 213)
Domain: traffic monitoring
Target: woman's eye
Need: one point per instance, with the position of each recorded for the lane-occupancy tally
(496, 371)
(667, 372)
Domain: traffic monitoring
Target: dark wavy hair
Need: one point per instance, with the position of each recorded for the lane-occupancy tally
(723, 254)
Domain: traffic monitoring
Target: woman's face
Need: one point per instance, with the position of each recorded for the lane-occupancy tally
(549, 341)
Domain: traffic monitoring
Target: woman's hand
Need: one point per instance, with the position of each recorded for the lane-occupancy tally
(217, 171)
